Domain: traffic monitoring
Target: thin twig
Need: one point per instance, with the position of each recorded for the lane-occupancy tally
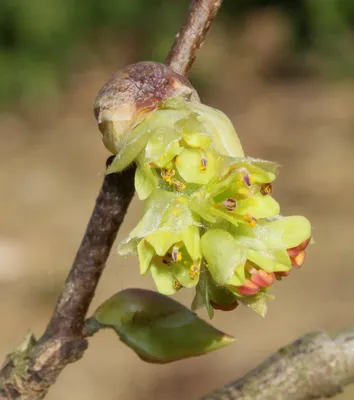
(30, 370)
(192, 34)
(111, 206)
(316, 366)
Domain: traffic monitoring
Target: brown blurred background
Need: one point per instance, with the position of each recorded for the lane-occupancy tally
(281, 70)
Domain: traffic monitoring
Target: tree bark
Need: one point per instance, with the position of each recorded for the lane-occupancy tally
(315, 366)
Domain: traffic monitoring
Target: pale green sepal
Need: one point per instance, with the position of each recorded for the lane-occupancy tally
(224, 135)
(145, 253)
(257, 303)
(145, 181)
(128, 153)
(163, 147)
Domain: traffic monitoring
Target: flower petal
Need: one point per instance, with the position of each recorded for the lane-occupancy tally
(163, 277)
(224, 135)
(195, 134)
(191, 240)
(182, 273)
(258, 206)
(161, 241)
(189, 165)
(163, 147)
(284, 232)
(145, 253)
(223, 254)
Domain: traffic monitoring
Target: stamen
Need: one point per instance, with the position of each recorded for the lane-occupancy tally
(167, 174)
(251, 221)
(178, 185)
(203, 163)
(194, 271)
(246, 176)
(176, 284)
(247, 180)
(266, 188)
(176, 254)
(230, 204)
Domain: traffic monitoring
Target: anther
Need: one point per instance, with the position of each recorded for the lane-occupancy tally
(176, 254)
(167, 174)
(230, 204)
(176, 284)
(266, 188)
(251, 221)
(203, 163)
(194, 271)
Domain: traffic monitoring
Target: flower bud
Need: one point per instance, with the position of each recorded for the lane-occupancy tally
(299, 259)
(262, 279)
(224, 307)
(130, 94)
(249, 288)
(282, 274)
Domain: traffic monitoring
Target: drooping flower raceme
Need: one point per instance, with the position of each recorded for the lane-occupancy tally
(210, 221)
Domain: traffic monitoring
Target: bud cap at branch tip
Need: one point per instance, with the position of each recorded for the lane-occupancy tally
(132, 92)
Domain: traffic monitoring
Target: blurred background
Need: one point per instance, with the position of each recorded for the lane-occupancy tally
(283, 72)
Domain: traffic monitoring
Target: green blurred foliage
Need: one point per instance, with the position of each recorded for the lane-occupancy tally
(40, 38)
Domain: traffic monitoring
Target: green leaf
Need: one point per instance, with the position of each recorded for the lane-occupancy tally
(157, 328)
